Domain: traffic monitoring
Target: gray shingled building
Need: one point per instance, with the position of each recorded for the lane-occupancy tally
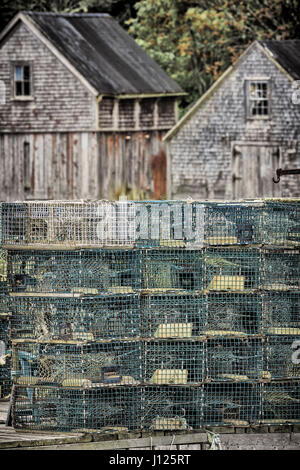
(230, 143)
(83, 110)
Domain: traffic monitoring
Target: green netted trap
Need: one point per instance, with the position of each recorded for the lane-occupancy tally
(281, 403)
(281, 313)
(232, 404)
(5, 356)
(231, 269)
(173, 316)
(106, 410)
(281, 223)
(84, 319)
(281, 270)
(233, 313)
(73, 272)
(83, 365)
(233, 224)
(234, 359)
(282, 356)
(173, 362)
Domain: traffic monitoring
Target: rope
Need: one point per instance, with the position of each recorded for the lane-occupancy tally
(214, 440)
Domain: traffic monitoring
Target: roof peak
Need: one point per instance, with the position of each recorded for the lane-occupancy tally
(48, 13)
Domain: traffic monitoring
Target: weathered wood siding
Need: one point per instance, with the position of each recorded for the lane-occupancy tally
(201, 151)
(60, 100)
(76, 165)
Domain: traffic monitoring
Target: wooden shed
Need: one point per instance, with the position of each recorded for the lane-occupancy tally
(83, 110)
(230, 143)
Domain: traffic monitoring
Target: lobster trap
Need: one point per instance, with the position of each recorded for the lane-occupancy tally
(234, 359)
(281, 270)
(5, 355)
(281, 223)
(232, 404)
(71, 409)
(174, 362)
(173, 316)
(87, 318)
(233, 313)
(180, 270)
(233, 224)
(73, 272)
(282, 356)
(281, 313)
(231, 269)
(281, 403)
(171, 408)
(85, 365)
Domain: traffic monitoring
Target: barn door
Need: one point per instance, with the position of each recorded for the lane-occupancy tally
(253, 167)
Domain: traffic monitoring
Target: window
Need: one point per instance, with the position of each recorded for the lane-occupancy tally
(258, 98)
(22, 80)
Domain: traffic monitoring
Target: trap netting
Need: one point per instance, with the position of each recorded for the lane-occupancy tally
(282, 356)
(171, 408)
(90, 271)
(86, 365)
(281, 402)
(234, 359)
(281, 270)
(174, 362)
(5, 354)
(86, 318)
(233, 223)
(231, 269)
(281, 313)
(233, 313)
(281, 223)
(232, 404)
(179, 270)
(173, 316)
(98, 223)
(107, 410)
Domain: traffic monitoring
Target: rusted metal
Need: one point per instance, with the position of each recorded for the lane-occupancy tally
(280, 172)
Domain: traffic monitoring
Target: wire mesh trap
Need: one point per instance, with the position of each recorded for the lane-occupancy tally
(87, 318)
(233, 314)
(231, 269)
(5, 356)
(281, 223)
(173, 316)
(281, 313)
(234, 359)
(233, 223)
(281, 270)
(172, 270)
(281, 403)
(282, 356)
(171, 408)
(232, 404)
(105, 410)
(174, 362)
(74, 272)
(85, 365)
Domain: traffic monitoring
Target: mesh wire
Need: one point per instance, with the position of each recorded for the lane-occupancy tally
(87, 318)
(231, 269)
(173, 316)
(282, 356)
(233, 224)
(281, 403)
(233, 404)
(281, 270)
(236, 313)
(84, 365)
(281, 223)
(281, 313)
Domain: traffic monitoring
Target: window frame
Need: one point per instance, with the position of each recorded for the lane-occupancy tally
(249, 100)
(14, 66)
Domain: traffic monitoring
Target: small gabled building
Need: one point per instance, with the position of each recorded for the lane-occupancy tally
(83, 110)
(247, 125)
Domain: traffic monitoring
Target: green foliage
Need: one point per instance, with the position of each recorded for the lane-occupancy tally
(196, 41)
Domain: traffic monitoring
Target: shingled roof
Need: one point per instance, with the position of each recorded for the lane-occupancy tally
(103, 53)
(286, 53)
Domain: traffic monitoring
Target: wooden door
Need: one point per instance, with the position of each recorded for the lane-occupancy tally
(253, 168)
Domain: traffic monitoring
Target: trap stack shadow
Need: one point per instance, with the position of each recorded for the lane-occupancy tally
(151, 315)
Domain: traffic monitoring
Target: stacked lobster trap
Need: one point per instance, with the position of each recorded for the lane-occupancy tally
(152, 315)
